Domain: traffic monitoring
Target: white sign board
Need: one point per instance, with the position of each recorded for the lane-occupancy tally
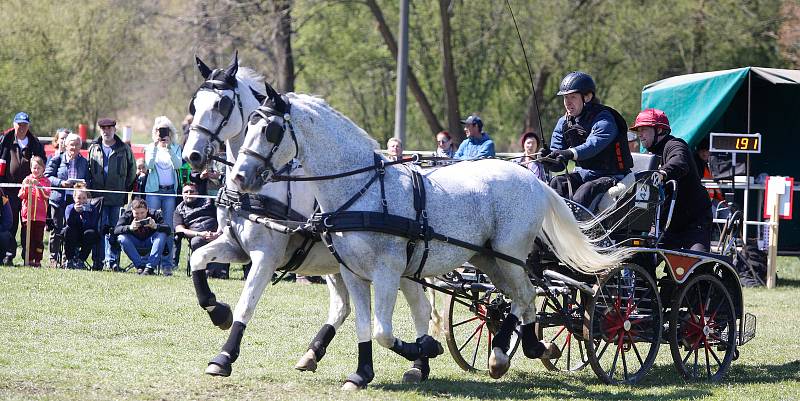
(779, 186)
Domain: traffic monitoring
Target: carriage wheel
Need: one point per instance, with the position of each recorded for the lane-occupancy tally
(702, 329)
(470, 325)
(623, 325)
(550, 327)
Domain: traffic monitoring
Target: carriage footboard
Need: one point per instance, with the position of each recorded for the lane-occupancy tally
(748, 330)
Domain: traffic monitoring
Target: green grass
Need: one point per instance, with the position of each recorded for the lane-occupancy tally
(100, 335)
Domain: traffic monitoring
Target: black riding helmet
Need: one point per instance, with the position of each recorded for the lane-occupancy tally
(576, 81)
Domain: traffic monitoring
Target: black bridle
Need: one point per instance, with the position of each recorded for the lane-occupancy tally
(274, 131)
(224, 106)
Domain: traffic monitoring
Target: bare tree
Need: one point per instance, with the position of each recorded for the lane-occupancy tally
(449, 73)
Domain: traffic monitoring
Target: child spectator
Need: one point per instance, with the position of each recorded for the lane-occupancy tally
(34, 208)
(141, 179)
(80, 233)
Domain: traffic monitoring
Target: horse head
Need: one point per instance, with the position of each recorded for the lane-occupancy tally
(265, 150)
(218, 107)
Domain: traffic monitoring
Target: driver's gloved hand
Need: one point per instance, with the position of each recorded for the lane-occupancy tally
(562, 155)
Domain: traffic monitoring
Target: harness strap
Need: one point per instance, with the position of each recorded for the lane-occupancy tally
(416, 158)
(421, 218)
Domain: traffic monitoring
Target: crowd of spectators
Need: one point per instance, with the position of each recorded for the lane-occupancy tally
(106, 202)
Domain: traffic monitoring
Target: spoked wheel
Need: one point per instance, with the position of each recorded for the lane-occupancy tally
(623, 326)
(702, 329)
(568, 336)
(470, 325)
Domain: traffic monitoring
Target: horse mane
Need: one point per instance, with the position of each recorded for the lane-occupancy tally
(314, 103)
(252, 79)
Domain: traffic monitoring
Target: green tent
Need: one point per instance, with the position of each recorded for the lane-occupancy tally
(742, 100)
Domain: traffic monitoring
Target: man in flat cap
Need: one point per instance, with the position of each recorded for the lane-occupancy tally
(112, 167)
(17, 146)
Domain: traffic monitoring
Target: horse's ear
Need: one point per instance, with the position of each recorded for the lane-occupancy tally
(271, 92)
(204, 70)
(261, 98)
(230, 72)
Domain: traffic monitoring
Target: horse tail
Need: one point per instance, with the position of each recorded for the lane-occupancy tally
(570, 245)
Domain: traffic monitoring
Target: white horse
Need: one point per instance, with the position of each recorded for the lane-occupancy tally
(220, 109)
(486, 203)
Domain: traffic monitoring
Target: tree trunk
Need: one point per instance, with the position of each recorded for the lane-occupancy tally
(532, 116)
(413, 84)
(449, 75)
(282, 40)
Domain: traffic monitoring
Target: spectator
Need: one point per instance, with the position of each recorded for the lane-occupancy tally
(594, 136)
(17, 146)
(690, 224)
(58, 141)
(477, 144)
(395, 149)
(444, 145)
(80, 233)
(144, 228)
(196, 219)
(633, 142)
(210, 179)
(530, 144)
(163, 159)
(64, 170)
(6, 240)
(34, 194)
(141, 179)
(186, 126)
(111, 167)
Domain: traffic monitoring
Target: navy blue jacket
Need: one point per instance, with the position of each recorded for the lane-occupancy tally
(57, 170)
(85, 219)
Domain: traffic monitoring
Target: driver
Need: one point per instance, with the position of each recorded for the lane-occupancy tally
(690, 227)
(591, 134)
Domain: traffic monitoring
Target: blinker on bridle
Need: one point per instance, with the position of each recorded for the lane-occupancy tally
(223, 105)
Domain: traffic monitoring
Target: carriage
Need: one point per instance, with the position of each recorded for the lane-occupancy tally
(691, 301)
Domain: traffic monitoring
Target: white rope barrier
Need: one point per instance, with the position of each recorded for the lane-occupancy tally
(92, 190)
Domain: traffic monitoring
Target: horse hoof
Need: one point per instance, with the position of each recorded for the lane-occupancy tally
(350, 386)
(431, 348)
(413, 376)
(217, 370)
(551, 351)
(307, 362)
(499, 363)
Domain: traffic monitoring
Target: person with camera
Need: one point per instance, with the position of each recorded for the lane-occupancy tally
(80, 233)
(143, 228)
(111, 167)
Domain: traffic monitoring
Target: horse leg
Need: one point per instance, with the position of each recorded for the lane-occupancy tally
(257, 280)
(217, 250)
(421, 315)
(360, 296)
(338, 310)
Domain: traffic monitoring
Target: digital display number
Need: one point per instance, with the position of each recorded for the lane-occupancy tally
(735, 143)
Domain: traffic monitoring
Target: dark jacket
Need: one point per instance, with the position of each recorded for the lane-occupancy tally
(121, 171)
(5, 214)
(86, 219)
(693, 207)
(598, 136)
(124, 225)
(18, 164)
(200, 217)
(58, 170)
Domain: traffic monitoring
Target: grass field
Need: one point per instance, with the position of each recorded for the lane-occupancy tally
(69, 335)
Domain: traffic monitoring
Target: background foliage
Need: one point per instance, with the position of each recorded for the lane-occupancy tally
(70, 62)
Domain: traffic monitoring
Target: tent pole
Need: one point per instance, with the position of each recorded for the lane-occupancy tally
(747, 161)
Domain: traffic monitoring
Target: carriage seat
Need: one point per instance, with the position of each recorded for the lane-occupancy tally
(641, 162)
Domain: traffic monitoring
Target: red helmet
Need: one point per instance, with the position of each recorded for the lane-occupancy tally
(651, 118)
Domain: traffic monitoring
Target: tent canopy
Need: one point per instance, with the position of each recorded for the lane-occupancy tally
(742, 100)
(695, 103)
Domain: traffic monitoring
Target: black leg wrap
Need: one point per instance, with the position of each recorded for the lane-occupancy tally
(234, 340)
(531, 346)
(410, 351)
(430, 347)
(321, 341)
(205, 297)
(223, 365)
(364, 374)
(424, 366)
(502, 339)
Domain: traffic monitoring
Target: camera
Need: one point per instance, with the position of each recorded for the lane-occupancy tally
(163, 133)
